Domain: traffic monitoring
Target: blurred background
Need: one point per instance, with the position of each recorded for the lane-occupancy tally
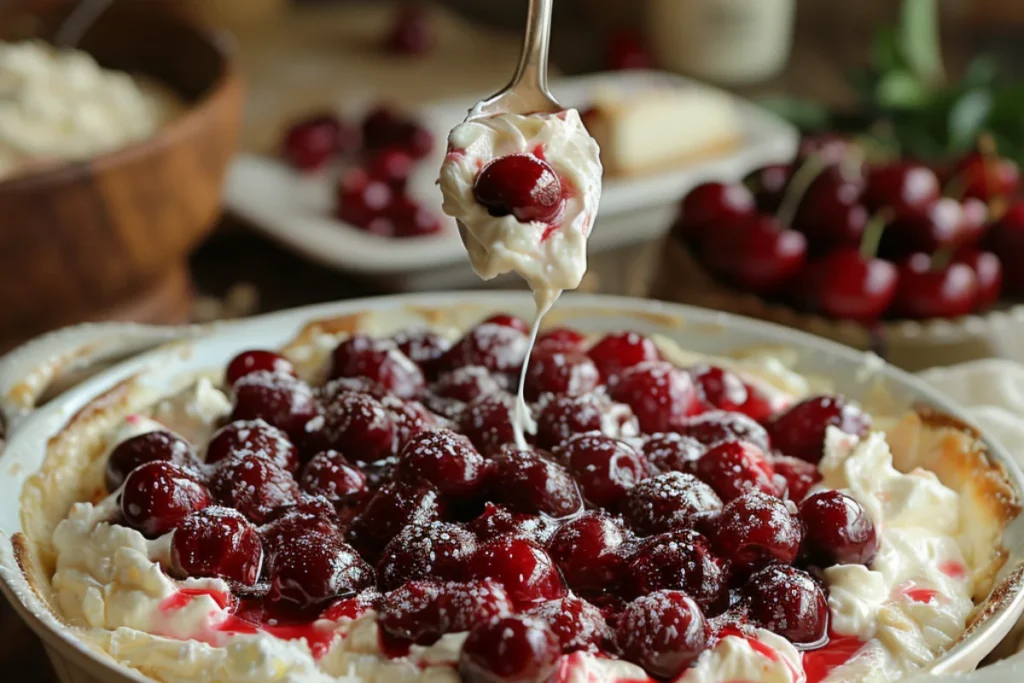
(188, 221)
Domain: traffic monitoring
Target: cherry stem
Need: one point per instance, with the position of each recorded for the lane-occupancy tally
(799, 184)
(873, 234)
(941, 258)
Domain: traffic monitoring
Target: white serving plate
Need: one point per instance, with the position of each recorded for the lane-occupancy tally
(296, 210)
(26, 373)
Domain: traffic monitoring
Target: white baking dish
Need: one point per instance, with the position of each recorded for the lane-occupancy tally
(26, 373)
(297, 210)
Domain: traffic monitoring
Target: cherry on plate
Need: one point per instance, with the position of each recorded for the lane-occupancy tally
(988, 269)
(252, 436)
(311, 143)
(514, 648)
(411, 32)
(311, 570)
(757, 254)
(1006, 240)
(280, 400)
(788, 602)
(614, 353)
(661, 395)
(800, 430)
(669, 502)
(253, 485)
(587, 551)
(576, 623)
(757, 528)
(663, 632)
(445, 459)
(217, 542)
(904, 187)
(524, 569)
(837, 530)
(854, 287)
(680, 560)
(255, 360)
(158, 495)
(148, 447)
(709, 205)
(927, 292)
(437, 550)
(532, 482)
(361, 198)
(605, 468)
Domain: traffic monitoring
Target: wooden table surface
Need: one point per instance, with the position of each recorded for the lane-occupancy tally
(296, 66)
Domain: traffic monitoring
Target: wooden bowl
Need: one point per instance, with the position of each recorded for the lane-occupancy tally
(80, 240)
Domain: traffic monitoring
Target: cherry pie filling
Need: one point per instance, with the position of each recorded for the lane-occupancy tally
(658, 510)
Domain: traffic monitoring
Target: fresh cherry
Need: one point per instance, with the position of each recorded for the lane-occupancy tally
(465, 384)
(769, 185)
(557, 372)
(1006, 240)
(988, 270)
(523, 568)
(381, 127)
(756, 253)
(466, 604)
(361, 198)
(798, 474)
(926, 292)
(148, 447)
(837, 530)
(253, 485)
(830, 213)
(587, 551)
(561, 339)
(437, 550)
(854, 287)
(391, 165)
(734, 468)
(158, 495)
(394, 506)
(788, 602)
(987, 177)
(661, 395)
(531, 482)
(217, 542)
(710, 205)
(757, 528)
(312, 142)
(800, 430)
(663, 632)
(411, 33)
(445, 459)
(514, 648)
(255, 360)
(252, 436)
(680, 560)
(576, 623)
(412, 612)
(618, 352)
(309, 515)
(522, 185)
(906, 188)
(330, 475)
(280, 400)
(669, 502)
(605, 468)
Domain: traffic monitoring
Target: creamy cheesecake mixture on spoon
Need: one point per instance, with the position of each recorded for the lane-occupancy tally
(523, 179)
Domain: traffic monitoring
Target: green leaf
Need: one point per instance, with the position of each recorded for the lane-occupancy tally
(885, 50)
(983, 71)
(967, 118)
(807, 115)
(919, 40)
(901, 90)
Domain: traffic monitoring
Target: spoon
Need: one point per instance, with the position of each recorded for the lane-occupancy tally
(527, 92)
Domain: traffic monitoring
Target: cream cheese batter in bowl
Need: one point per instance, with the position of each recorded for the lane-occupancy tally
(705, 499)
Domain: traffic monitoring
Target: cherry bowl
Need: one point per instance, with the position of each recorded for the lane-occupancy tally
(154, 361)
(108, 237)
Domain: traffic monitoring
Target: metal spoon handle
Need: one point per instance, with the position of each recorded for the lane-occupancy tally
(532, 71)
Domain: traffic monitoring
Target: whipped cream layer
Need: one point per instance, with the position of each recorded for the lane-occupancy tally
(550, 257)
(888, 620)
(60, 104)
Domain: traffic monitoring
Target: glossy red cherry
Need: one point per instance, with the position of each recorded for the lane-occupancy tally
(381, 127)
(561, 339)
(312, 569)
(663, 632)
(925, 292)
(331, 475)
(361, 199)
(280, 400)
(942, 224)
(445, 459)
(619, 351)
(576, 623)
(1006, 240)
(734, 468)
(669, 502)
(837, 530)
(715, 426)
(393, 507)
(830, 213)
(158, 495)
(496, 521)
(726, 391)
(253, 436)
(515, 648)
(522, 185)
(523, 568)
(756, 253)
(359, 426)
(422, 346)
(681, 560)
(465, 384)
(499, 348)
(391, 165)
(987, 177)
(988, 270)
(437, 550)
(147, 447)
(624, 49)
(466, 604)
(587, 551)
(672, 452)
(800, 430)
(252, 361)
(380, 361)
(757, 528)
(856, 288)
(411, 33)
(769, 185)
(709, 205)
(412, 612)
(253, 485)
(788, 602)
(531, 482)
(798, 474)
(661, 395)
(312, 142)
(217, 542)
(906, 188)
(557, 372)
(605, 468)
(487, 421)
(560, 417)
